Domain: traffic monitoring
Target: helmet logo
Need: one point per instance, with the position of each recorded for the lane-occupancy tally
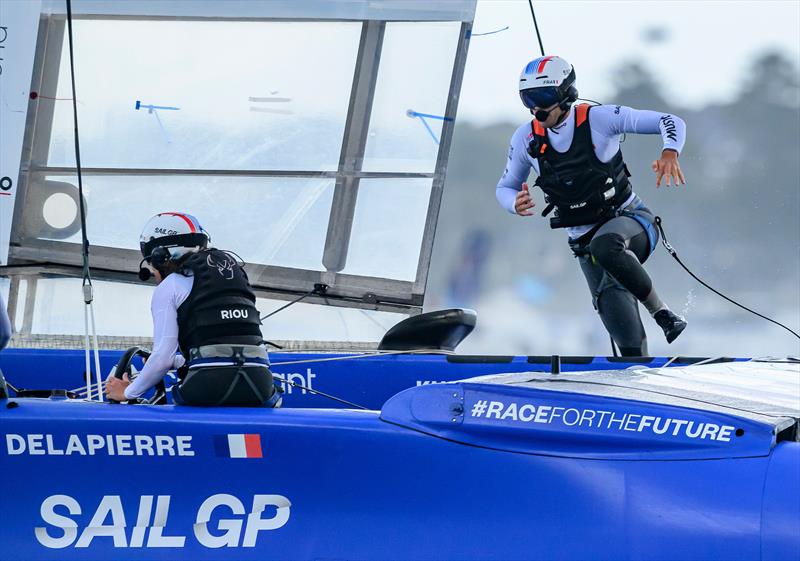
(225, 267)
(542, 62)
(165, 232)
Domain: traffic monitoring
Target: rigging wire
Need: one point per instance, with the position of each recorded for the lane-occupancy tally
(83, 389)
(674, 254)
(319, 289)
(323, 394)
(88, 290)
(536, 26)
(364, 355)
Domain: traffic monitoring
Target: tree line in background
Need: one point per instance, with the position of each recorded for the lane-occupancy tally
(736, 222)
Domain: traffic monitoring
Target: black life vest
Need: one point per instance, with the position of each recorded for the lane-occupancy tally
(220, 309)
(582, 189)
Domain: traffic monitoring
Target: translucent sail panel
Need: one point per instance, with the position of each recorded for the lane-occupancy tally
(411, 96)
(388, 226)
(266, 220)
(206, 95)
(312, 322)
(123, 310)
(404, 10)
(5, 284)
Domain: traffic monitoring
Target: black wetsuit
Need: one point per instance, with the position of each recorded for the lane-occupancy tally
(611, 231)
(611, 259)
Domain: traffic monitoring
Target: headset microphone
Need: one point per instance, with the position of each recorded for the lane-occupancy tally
(541, 115)
(571, 96)
(144, 272)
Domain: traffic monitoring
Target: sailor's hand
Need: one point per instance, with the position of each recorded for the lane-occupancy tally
(115, 388)
(668, 166)
(524, 202)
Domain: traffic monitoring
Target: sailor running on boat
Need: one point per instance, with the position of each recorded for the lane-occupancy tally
(576, 154)
(204, 307)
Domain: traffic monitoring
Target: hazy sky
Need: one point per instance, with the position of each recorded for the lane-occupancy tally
(708, 48)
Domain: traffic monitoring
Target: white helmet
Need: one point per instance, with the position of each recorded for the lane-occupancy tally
(545, 81)
(176, 232)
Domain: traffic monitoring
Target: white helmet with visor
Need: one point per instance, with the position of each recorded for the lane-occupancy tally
(546, 81)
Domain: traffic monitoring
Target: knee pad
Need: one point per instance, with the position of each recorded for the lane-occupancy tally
(606, 246)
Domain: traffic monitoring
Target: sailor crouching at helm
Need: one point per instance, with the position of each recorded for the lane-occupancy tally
(204, 307)
(576, 154)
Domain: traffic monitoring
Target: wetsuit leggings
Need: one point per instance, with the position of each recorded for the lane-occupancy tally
(616, 278)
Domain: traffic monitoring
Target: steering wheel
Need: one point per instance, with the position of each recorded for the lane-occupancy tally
(124, 367)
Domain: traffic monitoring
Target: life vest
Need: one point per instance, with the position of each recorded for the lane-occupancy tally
(220, 309)
(582, 189)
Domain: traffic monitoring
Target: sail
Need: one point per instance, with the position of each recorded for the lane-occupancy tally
(309, 137)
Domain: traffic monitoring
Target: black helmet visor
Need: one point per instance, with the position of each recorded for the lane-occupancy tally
(179, 240)
(540, 97)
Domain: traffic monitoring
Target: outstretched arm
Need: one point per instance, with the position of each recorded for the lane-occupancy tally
(618, 119)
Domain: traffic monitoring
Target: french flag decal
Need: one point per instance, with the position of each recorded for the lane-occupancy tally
(238, 445)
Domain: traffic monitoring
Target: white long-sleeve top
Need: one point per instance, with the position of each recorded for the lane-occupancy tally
(167, 297)
(608, 123)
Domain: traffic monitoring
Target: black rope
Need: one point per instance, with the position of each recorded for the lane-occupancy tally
(536, 26)
(319, 289)
(16, 391)
(87, 278)
(323, 394)
(674, 254)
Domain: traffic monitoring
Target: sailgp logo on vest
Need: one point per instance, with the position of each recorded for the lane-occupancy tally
(235, 314)
(225, 267)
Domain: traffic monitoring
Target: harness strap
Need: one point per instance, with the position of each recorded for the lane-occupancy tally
(241, 374)
(220, 361)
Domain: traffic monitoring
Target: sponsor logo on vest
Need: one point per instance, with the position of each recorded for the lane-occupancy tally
(297, 378)
(224, 267)
(98, 445)
(234, 314)
(578, 205)
(110, 523)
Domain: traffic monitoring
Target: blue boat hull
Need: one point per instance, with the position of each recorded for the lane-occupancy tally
(94, 481)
